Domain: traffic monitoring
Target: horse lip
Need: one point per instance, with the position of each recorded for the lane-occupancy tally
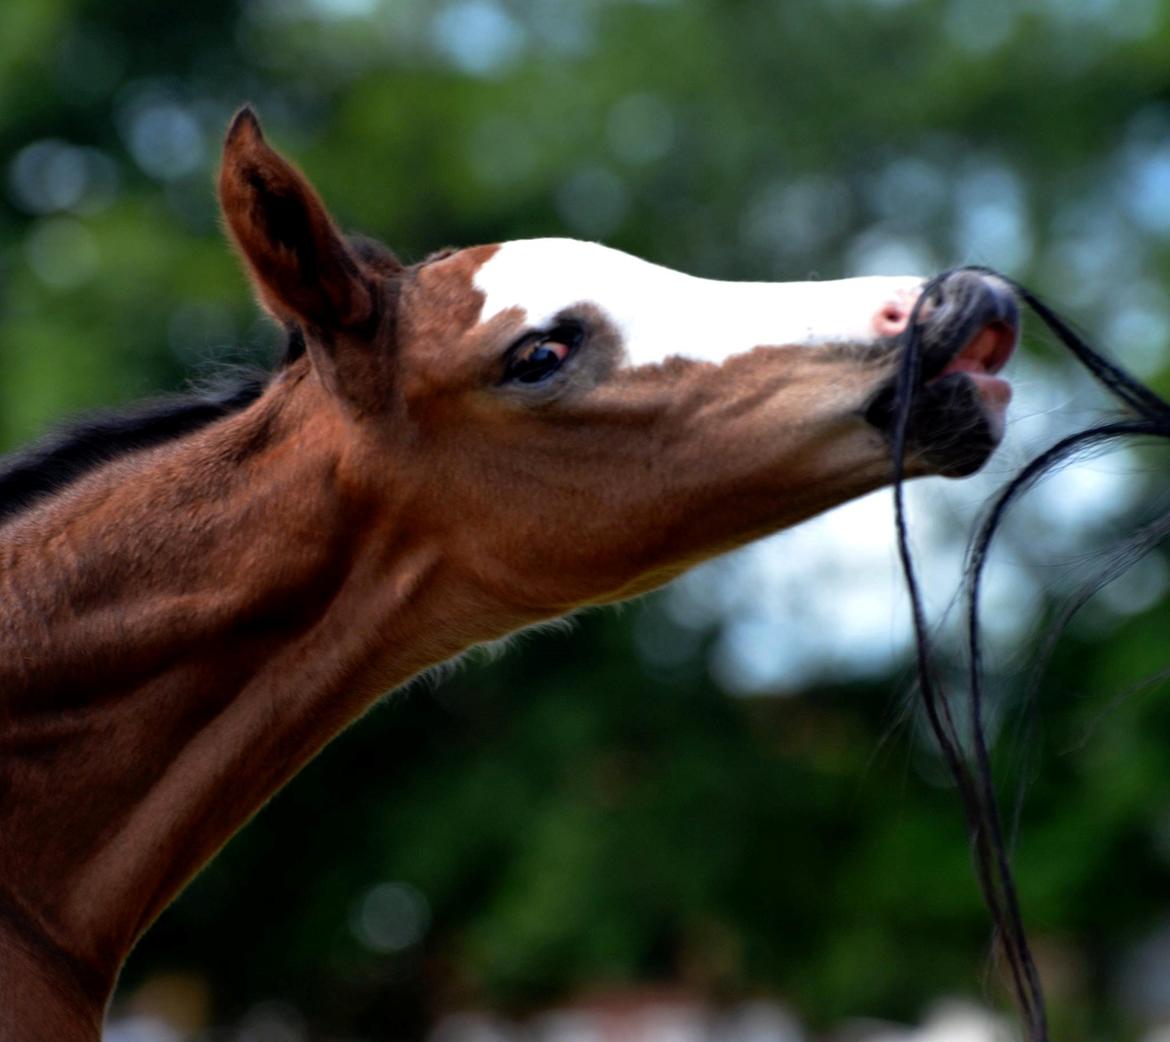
(973, 328)
(987, 352)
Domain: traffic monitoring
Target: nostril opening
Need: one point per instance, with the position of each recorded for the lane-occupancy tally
(891, 319)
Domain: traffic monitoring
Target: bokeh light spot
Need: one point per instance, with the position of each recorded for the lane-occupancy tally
(593, 202)
(478, 36)
(62, 252)
(391, 917)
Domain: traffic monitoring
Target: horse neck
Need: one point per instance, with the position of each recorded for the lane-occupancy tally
(182, 631)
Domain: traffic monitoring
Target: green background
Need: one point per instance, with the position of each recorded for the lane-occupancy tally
(594, 811)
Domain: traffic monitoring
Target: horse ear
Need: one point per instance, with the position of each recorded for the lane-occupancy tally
(302, 268)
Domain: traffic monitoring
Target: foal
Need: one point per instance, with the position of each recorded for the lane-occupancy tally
(196, 597)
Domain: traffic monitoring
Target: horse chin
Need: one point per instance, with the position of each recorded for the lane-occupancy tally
(956, 422)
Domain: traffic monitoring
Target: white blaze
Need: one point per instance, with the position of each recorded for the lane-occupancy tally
(661, 313)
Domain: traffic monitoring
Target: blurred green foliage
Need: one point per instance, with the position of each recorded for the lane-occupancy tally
(577, 814)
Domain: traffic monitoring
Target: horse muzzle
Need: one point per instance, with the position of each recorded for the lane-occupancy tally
(965, 330)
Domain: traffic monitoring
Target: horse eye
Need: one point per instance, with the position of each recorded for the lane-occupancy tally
(537, 360)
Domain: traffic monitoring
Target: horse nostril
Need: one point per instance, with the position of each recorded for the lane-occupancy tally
(891, 319)
(893, 315)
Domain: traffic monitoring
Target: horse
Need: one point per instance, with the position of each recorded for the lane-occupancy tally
(198, 593)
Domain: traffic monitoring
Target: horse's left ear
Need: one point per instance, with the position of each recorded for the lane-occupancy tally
(301, 266)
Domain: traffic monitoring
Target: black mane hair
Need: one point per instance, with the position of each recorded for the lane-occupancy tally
(966, 749)
(85, 443)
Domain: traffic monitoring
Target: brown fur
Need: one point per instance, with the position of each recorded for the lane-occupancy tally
(184, 628)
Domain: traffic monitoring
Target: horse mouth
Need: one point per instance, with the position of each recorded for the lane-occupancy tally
(969, 330)
(983, 358)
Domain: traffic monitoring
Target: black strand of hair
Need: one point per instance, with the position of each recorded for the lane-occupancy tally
(970, 765)
(991, 859)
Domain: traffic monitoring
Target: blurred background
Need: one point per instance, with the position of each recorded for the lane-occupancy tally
(713, 814)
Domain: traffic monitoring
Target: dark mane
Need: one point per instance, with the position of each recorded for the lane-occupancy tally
(87, 442)
(84, 444)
